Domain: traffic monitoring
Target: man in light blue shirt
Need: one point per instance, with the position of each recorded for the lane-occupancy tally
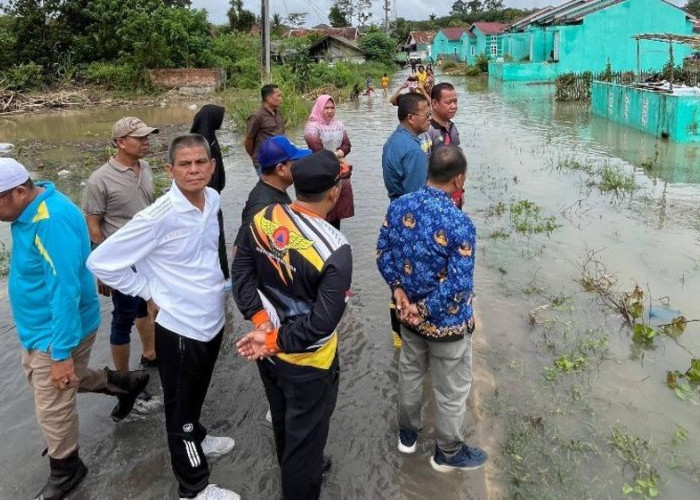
(405, 157)
(405, 163)
(54, 305)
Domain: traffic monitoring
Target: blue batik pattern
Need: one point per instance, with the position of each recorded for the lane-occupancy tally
(427, 246)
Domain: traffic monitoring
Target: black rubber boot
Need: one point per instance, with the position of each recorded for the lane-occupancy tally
(131, 383)
(66, 474)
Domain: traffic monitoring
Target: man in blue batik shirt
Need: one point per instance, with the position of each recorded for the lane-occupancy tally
(425, 253)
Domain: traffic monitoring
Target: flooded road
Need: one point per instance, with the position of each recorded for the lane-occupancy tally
(567, 404)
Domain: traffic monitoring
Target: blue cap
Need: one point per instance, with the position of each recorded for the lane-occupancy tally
(278, 149)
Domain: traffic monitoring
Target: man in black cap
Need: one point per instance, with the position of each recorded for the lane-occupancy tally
(291, 276)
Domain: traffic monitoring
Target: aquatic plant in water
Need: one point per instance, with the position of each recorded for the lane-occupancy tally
(527, 217)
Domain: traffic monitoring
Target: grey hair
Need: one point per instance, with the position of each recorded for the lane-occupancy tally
(187, 141)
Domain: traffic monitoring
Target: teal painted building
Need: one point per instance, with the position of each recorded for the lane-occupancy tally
(483, 38)
(448, 44)
(674, 117)
(583, 35)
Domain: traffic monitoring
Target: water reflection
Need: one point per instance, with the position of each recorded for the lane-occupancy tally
(513, 135)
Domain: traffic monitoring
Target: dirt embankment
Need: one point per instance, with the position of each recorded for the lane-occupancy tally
(18, 102)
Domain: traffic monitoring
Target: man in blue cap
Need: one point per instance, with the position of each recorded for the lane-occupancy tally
(291, 279)
(275, 157)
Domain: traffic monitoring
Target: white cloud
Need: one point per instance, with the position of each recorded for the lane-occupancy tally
(318, 9)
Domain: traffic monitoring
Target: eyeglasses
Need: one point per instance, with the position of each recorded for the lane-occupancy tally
(421, 114)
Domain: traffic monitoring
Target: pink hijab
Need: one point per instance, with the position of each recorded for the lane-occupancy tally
(317, 111)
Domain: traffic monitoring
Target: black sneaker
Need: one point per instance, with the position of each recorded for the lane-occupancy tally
(149, 363)
(408, 441)
(467, 458)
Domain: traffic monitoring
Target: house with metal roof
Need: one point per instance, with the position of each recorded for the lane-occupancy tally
(584, 35)
(332, 49)
(483, 38)
(418, 44)
(448, 44)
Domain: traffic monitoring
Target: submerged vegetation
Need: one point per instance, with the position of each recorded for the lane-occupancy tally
(525, 217)
(608, 178)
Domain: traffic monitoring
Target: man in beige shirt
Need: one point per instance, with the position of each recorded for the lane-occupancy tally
(266, 122)
(116, 192)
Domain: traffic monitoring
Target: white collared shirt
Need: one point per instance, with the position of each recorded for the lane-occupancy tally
(174, 246)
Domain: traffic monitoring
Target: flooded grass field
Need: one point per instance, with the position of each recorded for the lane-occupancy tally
(588, 251)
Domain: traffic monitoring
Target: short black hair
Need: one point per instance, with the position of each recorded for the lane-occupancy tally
(446, 163)
(408, 104)
(267, 90)
(437, 90)
(313, 197)
(187, 141)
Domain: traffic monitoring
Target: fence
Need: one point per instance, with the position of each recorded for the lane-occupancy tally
(577, 86)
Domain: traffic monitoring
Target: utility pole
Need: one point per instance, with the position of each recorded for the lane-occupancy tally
(265, 35)
(387, 3)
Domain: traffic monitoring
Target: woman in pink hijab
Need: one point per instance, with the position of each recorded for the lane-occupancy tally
(323, 131)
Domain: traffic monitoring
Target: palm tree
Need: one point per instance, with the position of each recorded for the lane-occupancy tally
(276, 26)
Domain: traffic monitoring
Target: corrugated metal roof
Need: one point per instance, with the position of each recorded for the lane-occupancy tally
(488, 28)
(453, 34)
(569, 12)
(421, 36)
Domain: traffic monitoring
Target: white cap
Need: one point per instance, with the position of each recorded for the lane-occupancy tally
(12, 174)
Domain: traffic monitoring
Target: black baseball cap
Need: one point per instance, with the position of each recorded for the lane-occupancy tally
(317, 173)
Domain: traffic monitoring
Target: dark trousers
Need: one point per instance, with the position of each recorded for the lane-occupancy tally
(185, 367)
(223, 256)
(301, 414)
(126, 310)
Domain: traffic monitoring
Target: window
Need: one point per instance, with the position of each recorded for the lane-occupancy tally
(494, 49)
(473, 50)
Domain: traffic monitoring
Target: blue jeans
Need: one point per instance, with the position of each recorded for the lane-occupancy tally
(126, 310)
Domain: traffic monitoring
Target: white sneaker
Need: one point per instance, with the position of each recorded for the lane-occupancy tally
(268, 416)
(214, 447)
(213, 492)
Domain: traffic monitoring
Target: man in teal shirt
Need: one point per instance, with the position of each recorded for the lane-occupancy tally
(54, 305)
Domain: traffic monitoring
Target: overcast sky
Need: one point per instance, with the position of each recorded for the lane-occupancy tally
(318, 9)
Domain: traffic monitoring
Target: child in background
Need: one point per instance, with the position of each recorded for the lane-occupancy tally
(385, 84)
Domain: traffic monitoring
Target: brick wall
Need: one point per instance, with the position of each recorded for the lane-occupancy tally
(188, 78)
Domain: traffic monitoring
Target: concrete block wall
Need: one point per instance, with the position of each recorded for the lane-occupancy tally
(189, 79)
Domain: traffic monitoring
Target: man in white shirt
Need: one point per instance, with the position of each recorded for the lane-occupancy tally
(174, 245)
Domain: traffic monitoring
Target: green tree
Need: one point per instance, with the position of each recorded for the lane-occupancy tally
(346, 8)
(459, 8)
(363, 11)
(693, 7)
(492, 5)
(401, 29)
(337, 17)
(378, 46)
(297, 19)
(240, 19)
(277, 26)
(474, 6)
(8, 41)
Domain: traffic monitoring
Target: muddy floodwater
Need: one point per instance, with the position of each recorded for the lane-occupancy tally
(572, 213)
